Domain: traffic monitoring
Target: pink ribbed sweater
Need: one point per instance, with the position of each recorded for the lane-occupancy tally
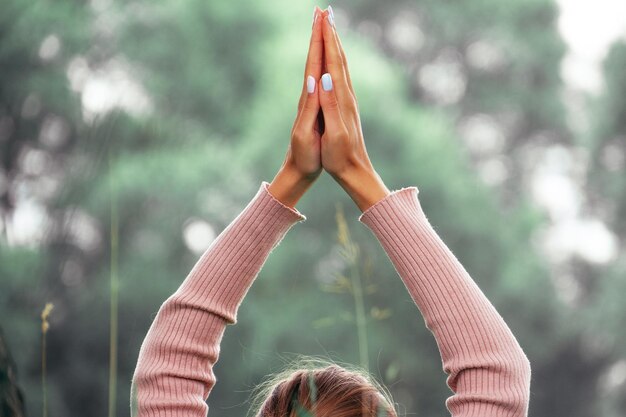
(487, 369)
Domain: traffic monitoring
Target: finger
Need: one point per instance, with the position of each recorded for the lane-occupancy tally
(342, 52)
(330, 106)
(335, 65)
(316, 46)
(307, 118)
(313, 66)
(347, 73)
(345, 63)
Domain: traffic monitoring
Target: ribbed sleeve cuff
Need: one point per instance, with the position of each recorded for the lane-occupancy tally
(264, 190)
(404, 199)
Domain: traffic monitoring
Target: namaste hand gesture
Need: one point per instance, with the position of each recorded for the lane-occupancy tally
(327, 134)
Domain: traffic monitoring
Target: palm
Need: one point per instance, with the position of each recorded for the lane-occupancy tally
(304, 150)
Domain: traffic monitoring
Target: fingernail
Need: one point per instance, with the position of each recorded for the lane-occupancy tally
(310, 84)
(331, 16)
(314, 16)
(327, 82)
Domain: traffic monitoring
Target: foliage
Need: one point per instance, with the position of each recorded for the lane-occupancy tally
(222, 80)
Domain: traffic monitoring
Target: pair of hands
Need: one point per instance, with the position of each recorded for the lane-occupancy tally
(327, 134)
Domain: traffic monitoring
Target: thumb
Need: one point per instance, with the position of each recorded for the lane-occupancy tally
(329, 104)
(310, 107)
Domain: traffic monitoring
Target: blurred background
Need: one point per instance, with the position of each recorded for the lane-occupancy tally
(132, 133)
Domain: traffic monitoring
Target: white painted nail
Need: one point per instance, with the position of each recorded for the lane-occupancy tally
(310, 84)
(331, 16)
(327, 82)
(314, 16)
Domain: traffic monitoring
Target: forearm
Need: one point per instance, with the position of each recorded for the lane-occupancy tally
(174, 373)
(288, 186)
(488, 370)
(363, 185)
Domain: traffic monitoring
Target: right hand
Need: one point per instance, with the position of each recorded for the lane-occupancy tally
(343, 151)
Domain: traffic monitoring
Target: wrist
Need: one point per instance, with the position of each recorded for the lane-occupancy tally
(363, 185)
(288, 186)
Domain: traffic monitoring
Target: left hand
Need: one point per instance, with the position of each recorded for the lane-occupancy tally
(303, 162)
(304, 152)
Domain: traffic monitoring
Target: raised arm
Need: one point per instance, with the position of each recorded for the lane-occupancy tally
(174, 372)
(487, 369)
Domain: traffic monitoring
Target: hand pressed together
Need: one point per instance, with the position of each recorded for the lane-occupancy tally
(333, 141)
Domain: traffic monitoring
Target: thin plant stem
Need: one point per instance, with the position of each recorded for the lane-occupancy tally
(114, 294)
(351, 251)
(44, 330)
(43, 375)
(359, 306)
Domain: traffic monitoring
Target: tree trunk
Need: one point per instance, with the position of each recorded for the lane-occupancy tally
(11, 398)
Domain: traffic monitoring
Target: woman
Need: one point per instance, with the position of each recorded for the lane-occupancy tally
(487, 369)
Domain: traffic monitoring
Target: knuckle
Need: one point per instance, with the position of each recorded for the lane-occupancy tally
(340, 135)
(353, 109)
(316, 45)
(309, 104)
(334, 67)
(332, 103)
(314, 63)
(299, 134)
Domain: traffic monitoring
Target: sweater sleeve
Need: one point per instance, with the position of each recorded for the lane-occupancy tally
(174, 372)
(487, 369)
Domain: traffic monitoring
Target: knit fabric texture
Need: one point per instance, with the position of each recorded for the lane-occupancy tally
(487, 370)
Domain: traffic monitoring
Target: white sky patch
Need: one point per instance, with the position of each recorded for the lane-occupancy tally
(555, 188)
(404, 33)
(589, 28)
(588, 239)
(553, 184)
(28, 224)
(107, 88)
(558, 194)
(614, 377)
(198, 235)
(50, 47)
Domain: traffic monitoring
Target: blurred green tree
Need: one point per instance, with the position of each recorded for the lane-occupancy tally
(193, 103)
(603, 312)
